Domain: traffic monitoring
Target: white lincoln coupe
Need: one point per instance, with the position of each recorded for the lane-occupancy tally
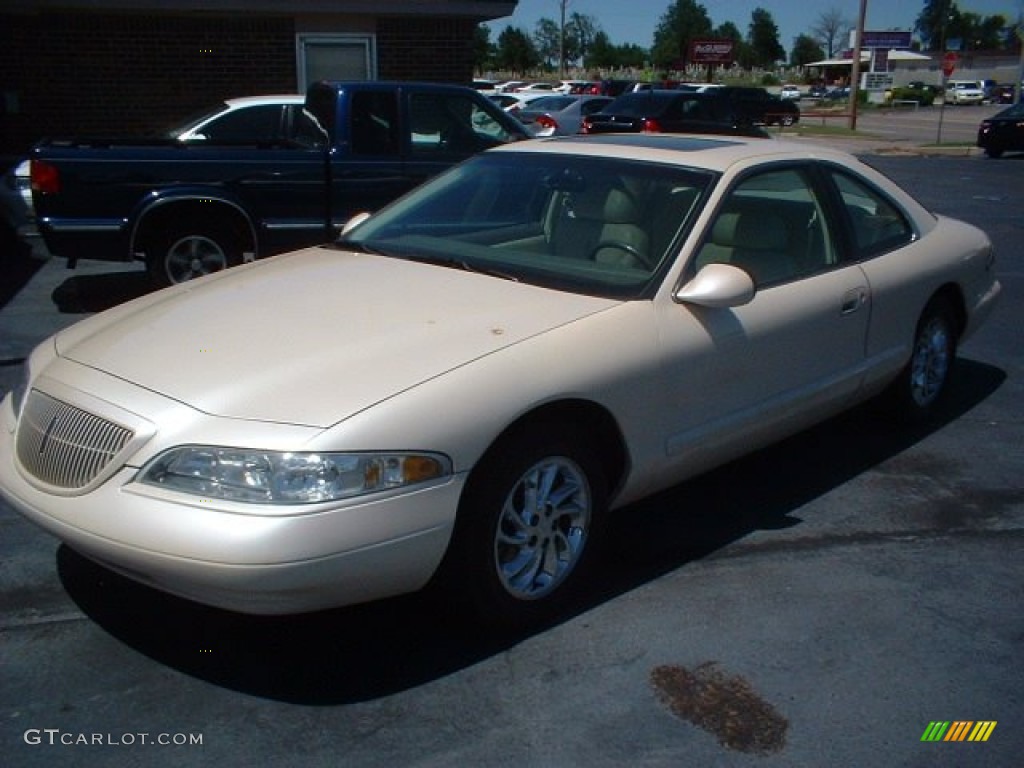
(462, 387)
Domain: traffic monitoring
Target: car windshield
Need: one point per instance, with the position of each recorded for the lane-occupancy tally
(592, 225)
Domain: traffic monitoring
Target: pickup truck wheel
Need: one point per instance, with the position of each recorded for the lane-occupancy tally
(178, 255)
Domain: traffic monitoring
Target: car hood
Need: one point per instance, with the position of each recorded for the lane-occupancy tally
(312, 337)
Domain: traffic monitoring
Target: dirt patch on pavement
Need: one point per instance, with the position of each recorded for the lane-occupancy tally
(723, 705)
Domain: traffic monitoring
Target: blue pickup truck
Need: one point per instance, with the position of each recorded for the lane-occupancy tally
(188, 208)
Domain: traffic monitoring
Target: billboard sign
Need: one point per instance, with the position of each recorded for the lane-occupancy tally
(713, 51)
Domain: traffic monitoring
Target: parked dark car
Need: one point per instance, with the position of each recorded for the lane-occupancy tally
(670, 112)
(1004, 93)
(756, 105)
(1003, 132)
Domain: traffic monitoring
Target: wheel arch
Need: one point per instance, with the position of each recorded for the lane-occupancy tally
(953, 295)
(155, 218)
(591, 421)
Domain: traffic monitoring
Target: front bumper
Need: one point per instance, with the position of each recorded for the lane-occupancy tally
(234, 557)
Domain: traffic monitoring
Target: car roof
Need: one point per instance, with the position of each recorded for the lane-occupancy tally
(716, 153)
(256, 101)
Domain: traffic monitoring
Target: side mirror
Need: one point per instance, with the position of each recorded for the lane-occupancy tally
(717, 286)
(354, 222)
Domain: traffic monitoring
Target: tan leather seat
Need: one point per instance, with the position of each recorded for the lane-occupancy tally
(756, 241)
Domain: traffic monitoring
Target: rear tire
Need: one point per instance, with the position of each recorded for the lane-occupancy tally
(184, 252)
(923, 384)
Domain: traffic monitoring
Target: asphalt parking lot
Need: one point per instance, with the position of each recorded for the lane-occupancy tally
(822, 602)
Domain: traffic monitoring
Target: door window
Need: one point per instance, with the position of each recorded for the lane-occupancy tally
(773, 226)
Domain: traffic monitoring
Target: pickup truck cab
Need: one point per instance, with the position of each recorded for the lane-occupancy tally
(188, 208)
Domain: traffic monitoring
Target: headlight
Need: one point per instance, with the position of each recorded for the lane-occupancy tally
(269, 477)
(20, 390)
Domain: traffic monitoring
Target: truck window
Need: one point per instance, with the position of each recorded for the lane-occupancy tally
(374, 123)
(261, 123)
(450, 123)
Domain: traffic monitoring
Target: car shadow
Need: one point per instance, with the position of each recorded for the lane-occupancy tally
(369, 651)
(17, 264)
(95, 293)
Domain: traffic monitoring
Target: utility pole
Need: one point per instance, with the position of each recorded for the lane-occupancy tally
(1018, 85)
(561, 41)
(855, 65)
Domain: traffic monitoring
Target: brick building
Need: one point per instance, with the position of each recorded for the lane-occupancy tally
(126, 67)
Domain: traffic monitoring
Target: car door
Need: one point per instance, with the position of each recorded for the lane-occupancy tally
(371, 173)
(743, 376)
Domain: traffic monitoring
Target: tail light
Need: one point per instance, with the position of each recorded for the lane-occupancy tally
(547, 121)
(651, 126)
(45, 178)
(585, 125)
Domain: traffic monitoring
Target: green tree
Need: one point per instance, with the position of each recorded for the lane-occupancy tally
(935, 23)
(728, 31)
(516, 51)
(580, 31)
(602, 54)
(805, 50)
(633, 55)
(941, 22)
(989, 33)
(763, 39)
(547, 41)
(683, 22)
(483, 49)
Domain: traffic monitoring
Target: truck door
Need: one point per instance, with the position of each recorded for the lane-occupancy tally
(371, 172)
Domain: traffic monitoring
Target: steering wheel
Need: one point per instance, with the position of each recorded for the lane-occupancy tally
(618, 245)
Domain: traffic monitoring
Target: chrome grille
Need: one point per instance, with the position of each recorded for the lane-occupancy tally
(65, 446)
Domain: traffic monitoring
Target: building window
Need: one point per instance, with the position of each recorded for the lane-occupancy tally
(335, 57)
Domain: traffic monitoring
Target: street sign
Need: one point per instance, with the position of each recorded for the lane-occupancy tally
(949, 61)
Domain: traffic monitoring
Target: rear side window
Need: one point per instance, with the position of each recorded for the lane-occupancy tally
(256, 124)
(877, 225)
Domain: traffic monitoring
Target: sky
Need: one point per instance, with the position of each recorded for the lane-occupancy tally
(634, 21)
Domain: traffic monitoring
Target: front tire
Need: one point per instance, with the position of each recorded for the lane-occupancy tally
(527, 529)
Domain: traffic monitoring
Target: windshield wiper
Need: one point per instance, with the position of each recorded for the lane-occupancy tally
(455, 263)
